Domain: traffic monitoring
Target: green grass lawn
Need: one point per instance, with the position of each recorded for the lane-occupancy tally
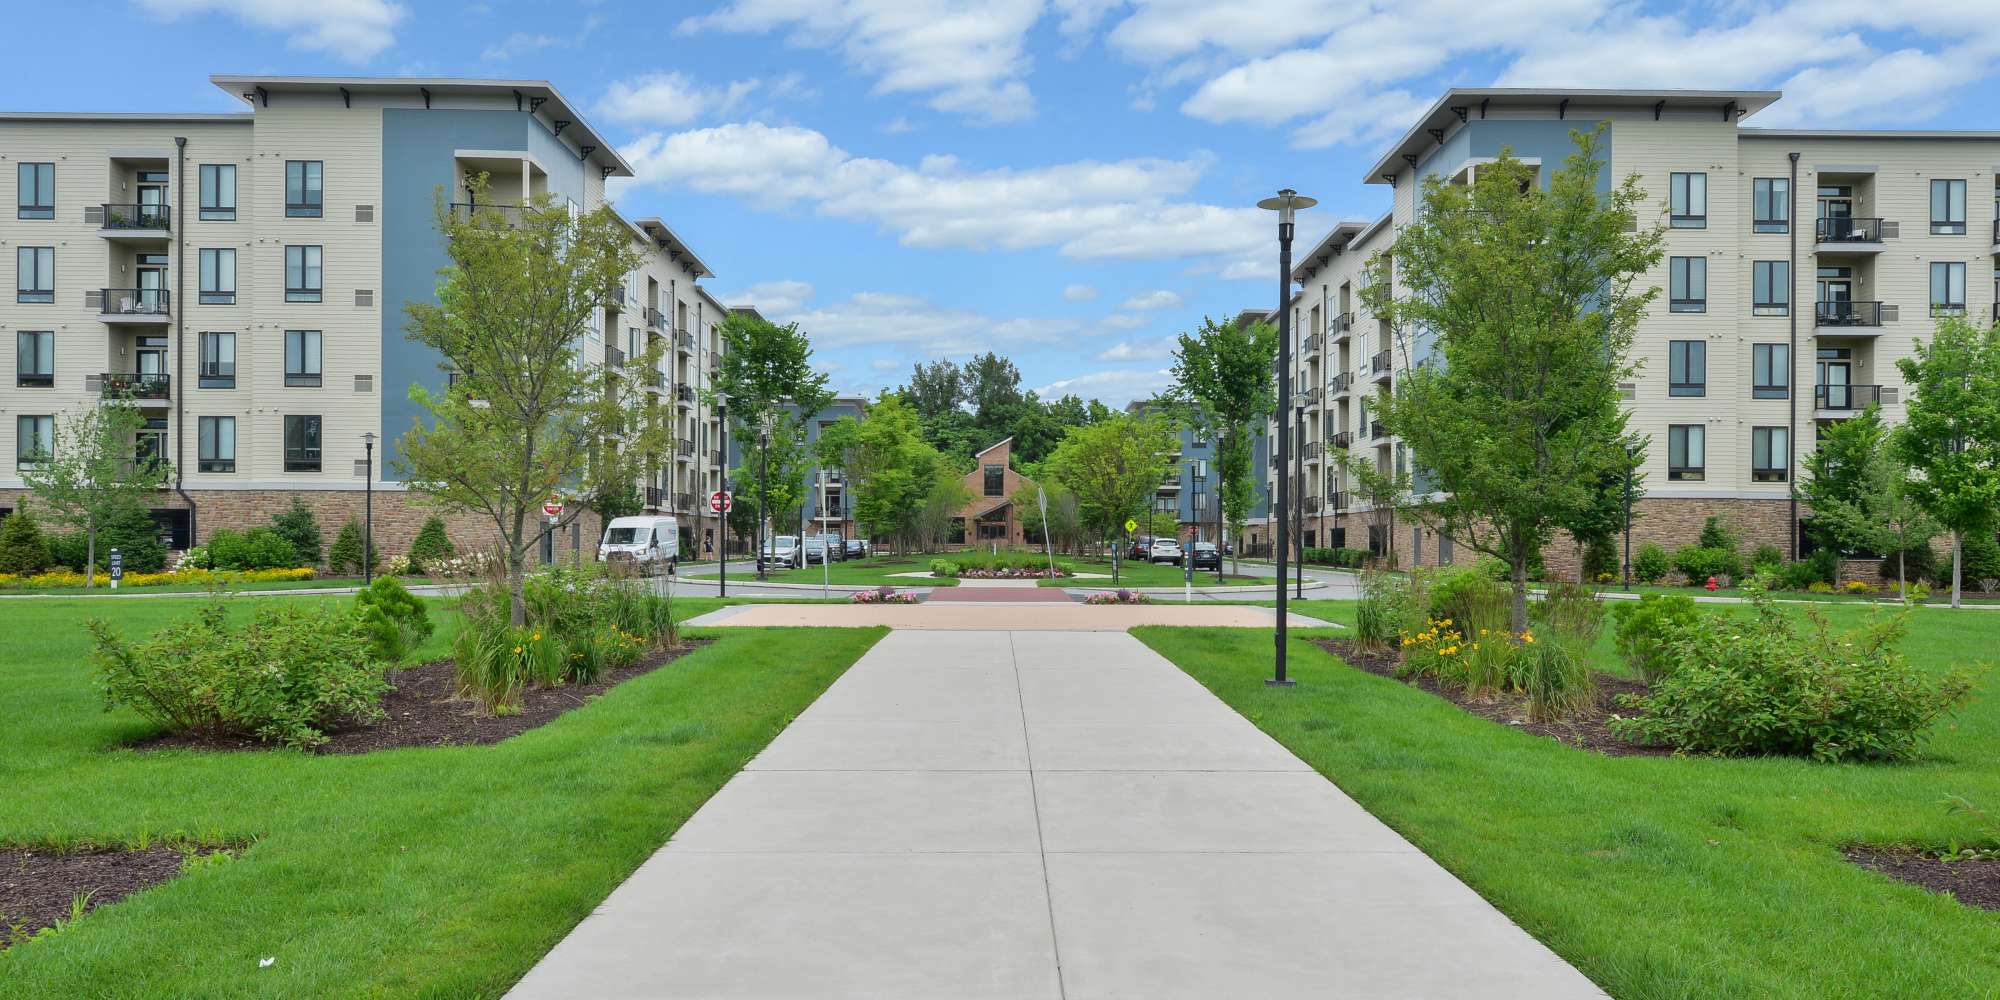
(872, 571)
(441, 873)
(1658, 877)
(1133, 573)
(322, 583)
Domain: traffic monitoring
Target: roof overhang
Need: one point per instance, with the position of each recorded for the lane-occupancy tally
(1460, 105)
(1332, 245)
(169, 118)
(676, 248)
(533, 96)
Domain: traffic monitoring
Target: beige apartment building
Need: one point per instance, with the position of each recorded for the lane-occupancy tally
(242, 278)
(1799, 266)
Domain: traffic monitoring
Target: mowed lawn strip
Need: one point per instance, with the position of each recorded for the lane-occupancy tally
(1657, 877)
(1138, 573)
(410, 873)
(872, 571)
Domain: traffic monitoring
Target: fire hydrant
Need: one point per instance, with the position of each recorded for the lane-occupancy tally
(1711, 584)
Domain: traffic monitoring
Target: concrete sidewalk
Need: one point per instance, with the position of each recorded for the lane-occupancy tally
(1037, 815)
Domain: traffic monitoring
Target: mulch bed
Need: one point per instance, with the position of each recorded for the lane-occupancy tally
(1591, 732)
(38, 886)
(424, 711)
(1976, 882)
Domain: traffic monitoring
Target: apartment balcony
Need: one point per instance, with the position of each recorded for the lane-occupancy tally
(1310, 505)
(1379, 365)
(615, 302)
(495, 214)
(135, 223)
(1832, 401)
(1996, 235)
(1848, 235)
(1342, 439)
(1313, 342)
(613, 356)
(655, 320)
(715, 458)
(1847, 313)
(684, 502)
(1340, 326)
(684, 395)
(1342, 384)
(131, 386)
(1313, 451)
(139, 306)
(655, 381)
(684, 342)
(1310, 396)
(1376, 431)
(655, 497)
(1340, 499)
(684, 449)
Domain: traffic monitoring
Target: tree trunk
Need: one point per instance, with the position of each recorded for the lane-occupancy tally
(1520, 593)
(90, 555)
(1957, 553)
(517, 601)
(1902, 585)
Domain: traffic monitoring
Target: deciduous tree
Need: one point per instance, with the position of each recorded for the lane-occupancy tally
(768, 381)
(1223, 382)
(94, 472)
(1880, 512)
(1951, 432)
(1113, 468)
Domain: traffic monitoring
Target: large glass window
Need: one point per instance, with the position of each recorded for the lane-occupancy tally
(1770, 205)
(1687, 281)
(1770, 371)
(1687, 458)
(1687, 368)
(34, 439)
(302, 274)
(1948, 207)
(304, 192)
(1768, 454)
(218, 361)
(218, 277)
(35, 274)
(36, 193)
(1770, 287)
(218, 443)
(996, 480)
(218, 192)
(302, 444)
(302, 357)
(35, 358)
(1689, 201)
(1947, 287)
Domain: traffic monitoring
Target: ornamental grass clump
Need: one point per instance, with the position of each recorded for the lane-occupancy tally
(1390, 609)
(1466, 644)
(1644, 627)
(580, 623)
(1768, 686)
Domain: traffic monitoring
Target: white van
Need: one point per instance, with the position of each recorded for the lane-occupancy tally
(653, 542)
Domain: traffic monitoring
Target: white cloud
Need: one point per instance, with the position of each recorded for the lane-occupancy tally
(1139, 350)
(1087, 209)
(353, 30)
(885, 364)
(1165, 29)
(773, 298)
(1078, 293)
(670, 99)
(970, 58)
(1159, 299)
(518, 44)
(1122, 321)
(1116, 387)
(898, 126)
(878, 319)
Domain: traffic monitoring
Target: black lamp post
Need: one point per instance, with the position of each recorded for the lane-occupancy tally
(368, 516)
(722, 516)
(1299, 519)
(1285, 204)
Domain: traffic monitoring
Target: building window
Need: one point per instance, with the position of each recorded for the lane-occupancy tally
(1770, 205)
(35, 358)
(1687, 368)
(1689, 201)
(1770, 371)
(996, 480)
(1687, 280)
(218, 277)
(1947, 287)
(36, 194)
(218, 361)
(218, 192)
(1948, 208)
(1686, 452)
(34, 439)
(304, 194)
(302, 274)
(302, 357)
(218, 444)
(1771, 287)
(35, 274)
(1769, 458)
(302, 444)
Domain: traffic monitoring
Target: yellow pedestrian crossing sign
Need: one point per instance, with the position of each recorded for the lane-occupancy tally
(1131, 526)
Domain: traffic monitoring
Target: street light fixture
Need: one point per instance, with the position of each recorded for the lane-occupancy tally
(1299, 515)
(1286, 203)
(722, 516)
(368, 532)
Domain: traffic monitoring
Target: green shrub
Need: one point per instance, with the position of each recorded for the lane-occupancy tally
(1644, 627)
(431, 546)
(1768, 686)
(284, 677)
(1919, 562)
(1552, 664)
(1600, 557)
(1499, 570)
(1767, 557)
(1699, 562)
(258, 548)
(1466, 594)
(395, 619)
(944, 569)
(1650, 563)
(1819, 587)
(132, 531)
(1389, 607)
(345, 555)
(573, 617)
(1715, 534)
(1980, 557)
(297, 526)
(1799, 575)
(22, 548)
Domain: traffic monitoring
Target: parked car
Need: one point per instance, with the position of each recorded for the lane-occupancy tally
(1165, 550)
(781, 552)
(857, 548)
(835, 548)
(1205, 556)
(813, 550)
(1142, 547)
(652, 543)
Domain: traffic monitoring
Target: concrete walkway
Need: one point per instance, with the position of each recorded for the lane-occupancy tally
(1000, 616)
(1037, 814)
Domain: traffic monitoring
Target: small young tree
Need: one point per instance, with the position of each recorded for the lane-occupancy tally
(1950, 435)
(345, 555)
(527, 416)
(1113, 468)
(1527, 298)
(887, 464)
(431, 547)
(1222, 378)
(297, 526)
(1881, 511)
(22, 548)
(767, 380)
(94, 473)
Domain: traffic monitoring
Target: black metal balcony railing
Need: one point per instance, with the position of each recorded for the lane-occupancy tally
(684, 448)
(504, 214)
(617, 297)
(1379, 364)
(715, 457)
(655, 379)
(685, 341)
(1846, 397)
(1847, 313)
(1340, 500)
(1342, 439)
(131, 217)
(655, 497)
(1342, 382)
(136, 301)
(613, 355)
(685, 394)
(684, 502)
(1310, 395)
(1313, 340)
(1996, 232)
(1375, 429)
(655, 318)
(1340, 323)
(1310, 504)
(1848, 231)
(130, 385)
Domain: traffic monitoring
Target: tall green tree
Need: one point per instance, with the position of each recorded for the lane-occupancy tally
(1528, 299)
(94, 473)
(1951, 431)
(773, 393)
(525, 417)
(1114, 468)
(1880, 512)
(889, 467)
(935, 389)
(993, 388)
(1223, 382)
(1063, 527)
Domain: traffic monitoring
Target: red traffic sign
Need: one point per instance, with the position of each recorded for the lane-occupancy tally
(553, 508)
(720, 501)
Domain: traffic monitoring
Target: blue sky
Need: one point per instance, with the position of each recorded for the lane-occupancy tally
(1068, 182)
